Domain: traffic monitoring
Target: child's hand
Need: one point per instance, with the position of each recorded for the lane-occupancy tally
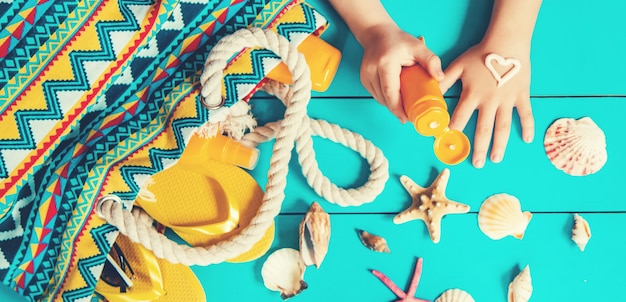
(494, 104)
(387, 50)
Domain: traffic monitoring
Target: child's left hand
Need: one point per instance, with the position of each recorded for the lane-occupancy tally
(494, 104)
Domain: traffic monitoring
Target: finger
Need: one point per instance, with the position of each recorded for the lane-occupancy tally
(525, 112)
(375, 84)
(453, 73)
(501, 133)
(482, 136)
(368, 73)
(375, 91)
(463, 111)
(371, 88)
(389, 78)
(429, 61)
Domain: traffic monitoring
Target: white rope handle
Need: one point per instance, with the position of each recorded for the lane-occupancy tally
(295, 127)
(379, 167)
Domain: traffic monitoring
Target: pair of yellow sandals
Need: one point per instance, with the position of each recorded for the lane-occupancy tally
(203, 200)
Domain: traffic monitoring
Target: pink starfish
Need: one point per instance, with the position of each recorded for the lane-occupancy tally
(409, 296)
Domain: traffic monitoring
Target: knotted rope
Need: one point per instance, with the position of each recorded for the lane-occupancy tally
(296, 127)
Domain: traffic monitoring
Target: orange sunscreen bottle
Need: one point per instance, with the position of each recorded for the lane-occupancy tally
(426, 108)
(323, 60)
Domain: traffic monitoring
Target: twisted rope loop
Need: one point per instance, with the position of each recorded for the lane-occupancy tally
(295, 129)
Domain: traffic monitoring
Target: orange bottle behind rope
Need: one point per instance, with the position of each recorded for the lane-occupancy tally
(323, 60)
(427, 109)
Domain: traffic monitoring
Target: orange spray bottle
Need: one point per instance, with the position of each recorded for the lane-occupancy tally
(426, 108)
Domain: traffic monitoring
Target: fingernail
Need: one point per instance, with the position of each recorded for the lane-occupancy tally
(440, 74)
(479, 163)
(528, 138)
(496, 158)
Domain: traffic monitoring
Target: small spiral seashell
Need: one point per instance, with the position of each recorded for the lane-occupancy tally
(501, 215)
(581, 233)
(577, 147)
(455, 295)
(521, 288)
(374, 242)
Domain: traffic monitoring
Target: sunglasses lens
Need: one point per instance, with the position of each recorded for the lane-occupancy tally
(111, 276)
(111, 273)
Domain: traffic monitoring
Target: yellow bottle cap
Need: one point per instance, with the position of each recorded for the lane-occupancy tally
(451, 146)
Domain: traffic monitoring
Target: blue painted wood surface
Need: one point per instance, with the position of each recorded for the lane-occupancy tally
(465, 258)
(578, 70)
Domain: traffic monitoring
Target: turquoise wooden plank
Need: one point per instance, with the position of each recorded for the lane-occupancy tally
(525, 171)
(576, 48)
(8, 294)
(465, 258)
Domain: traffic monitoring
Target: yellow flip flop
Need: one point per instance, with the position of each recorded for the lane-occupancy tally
(204, 200)
(152, 279)
(180, 284)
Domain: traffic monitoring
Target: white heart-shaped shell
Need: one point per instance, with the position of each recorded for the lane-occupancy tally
(501, 215)
(283, 271)
(581, 232)
(314, 235)
(521, 288)
(577, 147)
(455, 295)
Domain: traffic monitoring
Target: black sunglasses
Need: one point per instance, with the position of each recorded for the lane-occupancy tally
(115, 268)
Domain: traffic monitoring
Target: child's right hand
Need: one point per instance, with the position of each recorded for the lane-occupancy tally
(387, 50)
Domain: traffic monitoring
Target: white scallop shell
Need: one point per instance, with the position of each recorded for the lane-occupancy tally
(577, 147)
(455, 295)
(581, 233)
(283, 271)
(314, 235)
(521, 288)
(501, 215)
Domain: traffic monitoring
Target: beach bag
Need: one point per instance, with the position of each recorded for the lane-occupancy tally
(95, 97)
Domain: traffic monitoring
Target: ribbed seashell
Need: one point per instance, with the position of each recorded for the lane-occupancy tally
(373, 242)
(501, 215)
(283, 271)
(314, 235)
(577, 147)
(581, 233)
(521, 288)
(455, 295)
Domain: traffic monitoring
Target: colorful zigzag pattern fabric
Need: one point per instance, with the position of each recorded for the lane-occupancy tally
(95, 96)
